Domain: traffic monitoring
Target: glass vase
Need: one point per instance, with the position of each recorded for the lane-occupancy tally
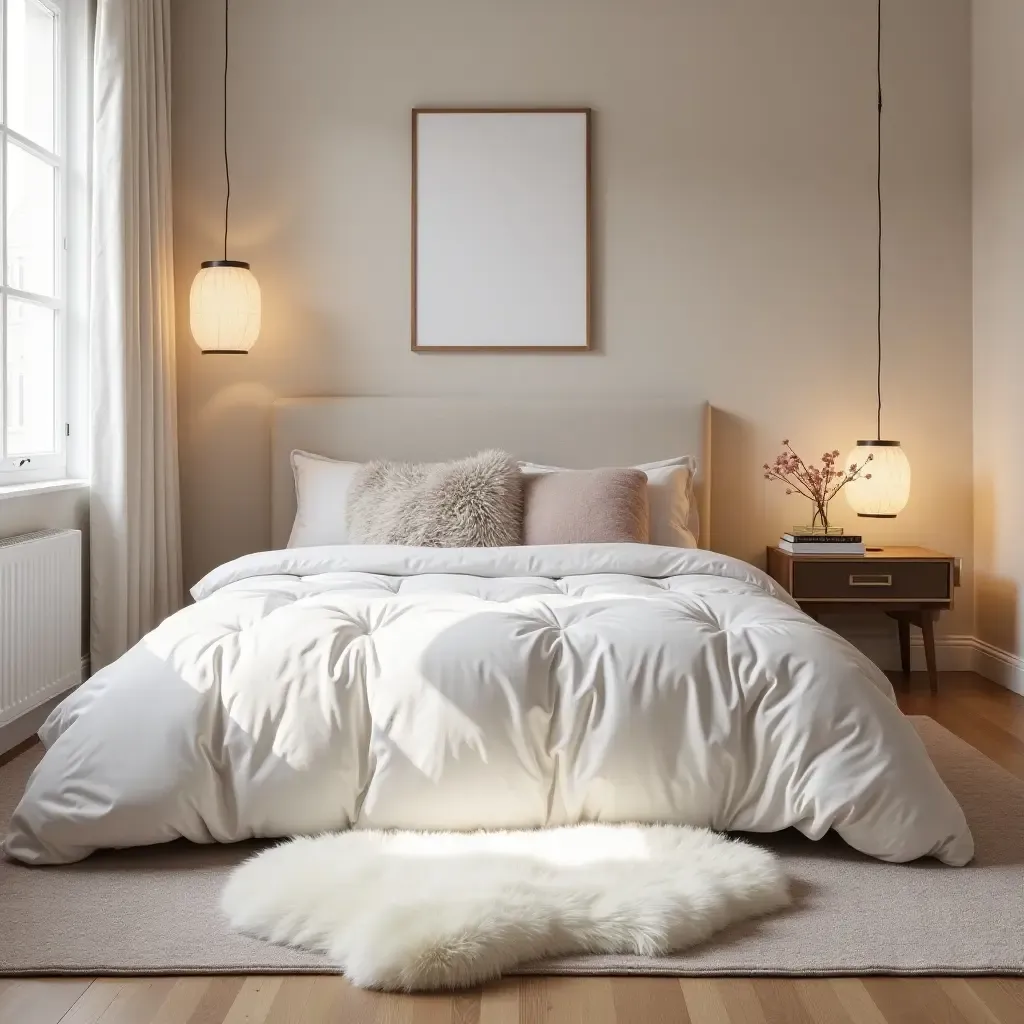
(819, 525)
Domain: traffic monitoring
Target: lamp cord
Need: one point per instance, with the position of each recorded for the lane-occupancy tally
(227, 169)
(878, 189)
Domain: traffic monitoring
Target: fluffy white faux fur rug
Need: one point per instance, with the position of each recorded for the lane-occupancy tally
(408, 911)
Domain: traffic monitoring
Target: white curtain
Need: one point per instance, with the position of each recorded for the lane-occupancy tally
(135, 530)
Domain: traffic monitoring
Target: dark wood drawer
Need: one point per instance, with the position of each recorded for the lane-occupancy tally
(873, 579)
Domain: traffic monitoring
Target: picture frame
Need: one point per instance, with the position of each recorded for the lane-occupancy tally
(501, 229)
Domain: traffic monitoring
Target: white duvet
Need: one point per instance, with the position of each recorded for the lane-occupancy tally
(386, 687)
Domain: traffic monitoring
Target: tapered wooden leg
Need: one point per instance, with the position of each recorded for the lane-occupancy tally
(928, 635)
(904, 628)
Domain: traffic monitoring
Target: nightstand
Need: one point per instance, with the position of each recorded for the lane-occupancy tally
(910, 585)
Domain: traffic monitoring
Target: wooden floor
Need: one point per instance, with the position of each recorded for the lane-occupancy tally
(988, 717)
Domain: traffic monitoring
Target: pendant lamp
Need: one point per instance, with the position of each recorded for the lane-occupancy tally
(225, 303)
(882, 492)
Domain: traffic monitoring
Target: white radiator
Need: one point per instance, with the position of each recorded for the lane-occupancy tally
(40, 619)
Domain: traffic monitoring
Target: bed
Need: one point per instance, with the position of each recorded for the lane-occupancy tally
(353, 686)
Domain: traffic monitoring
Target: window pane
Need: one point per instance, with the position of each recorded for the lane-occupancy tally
(31, 53)
(30, 228)
(31, 383)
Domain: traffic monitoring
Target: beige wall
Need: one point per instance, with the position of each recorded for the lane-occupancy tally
(63, 510)
(735, 228)
(998, 67)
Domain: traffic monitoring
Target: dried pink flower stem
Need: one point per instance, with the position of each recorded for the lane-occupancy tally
(818, 485)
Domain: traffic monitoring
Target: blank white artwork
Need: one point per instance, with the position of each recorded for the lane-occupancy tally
(501, 208)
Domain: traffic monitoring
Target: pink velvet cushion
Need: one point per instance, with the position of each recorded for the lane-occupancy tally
(586, 506)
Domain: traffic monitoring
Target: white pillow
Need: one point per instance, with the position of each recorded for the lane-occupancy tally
(674, 514)
(321, 498)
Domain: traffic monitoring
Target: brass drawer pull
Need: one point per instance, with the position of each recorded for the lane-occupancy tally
(870, 579)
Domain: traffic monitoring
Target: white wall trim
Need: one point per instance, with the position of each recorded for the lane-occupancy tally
(30, 490)
(1000, 666)
(952, 654)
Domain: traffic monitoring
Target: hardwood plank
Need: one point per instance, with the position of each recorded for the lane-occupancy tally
(138, 999)
(254, 1000)
(93, 1002)
(216, 1000)
(533, 1000)
(649, 1001)
(856, 1001)
(740, 999)
(967, 1001)
(987, 716)
(334, 999)
(466, 1008)
(1001, 707)
(1002, 703)
(424, 1008)
(1003, 996)
(40, 1001)
(912, 1001)
(1002, 718)
(704, 1001)
(320, 1000)
(780, 1001)
(499, 1002)
(289, 1006)
(399, 1009)
(576, 1001)
(181, 1002)
(982, 737)
(1008, 724)
(820, 1000)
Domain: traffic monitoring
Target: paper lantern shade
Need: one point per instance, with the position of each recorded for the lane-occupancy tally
(886, 494)
(225, 307)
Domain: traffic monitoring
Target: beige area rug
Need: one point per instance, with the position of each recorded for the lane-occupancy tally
(154, 911)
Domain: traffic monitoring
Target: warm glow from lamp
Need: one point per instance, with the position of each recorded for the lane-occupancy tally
(886, 494)
(225, 307)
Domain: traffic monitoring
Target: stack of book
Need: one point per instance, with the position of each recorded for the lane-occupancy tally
(822, 544)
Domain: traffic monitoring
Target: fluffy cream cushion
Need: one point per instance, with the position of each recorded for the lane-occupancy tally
(586, 506)
(415, 910)
(469, 503)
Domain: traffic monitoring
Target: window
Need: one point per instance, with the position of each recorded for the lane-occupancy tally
(33, 240)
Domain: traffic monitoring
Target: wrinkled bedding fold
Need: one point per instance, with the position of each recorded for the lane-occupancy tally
(321, 689)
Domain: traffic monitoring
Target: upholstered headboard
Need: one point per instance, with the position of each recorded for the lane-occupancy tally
(572, 433)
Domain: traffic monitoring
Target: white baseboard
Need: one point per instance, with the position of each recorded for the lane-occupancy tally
(1000, 666)
(27, 725)
(952, 654)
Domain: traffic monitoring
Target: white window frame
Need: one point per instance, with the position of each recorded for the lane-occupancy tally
(46, 466)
